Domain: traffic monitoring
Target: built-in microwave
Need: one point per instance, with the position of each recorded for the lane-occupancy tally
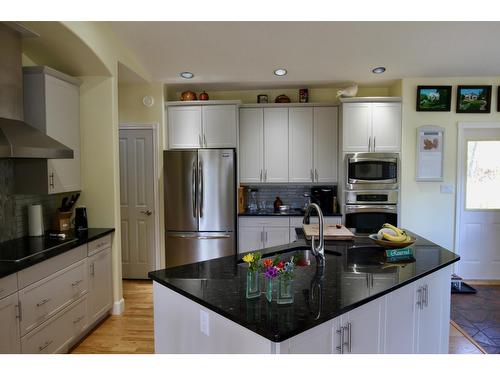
(372, 170)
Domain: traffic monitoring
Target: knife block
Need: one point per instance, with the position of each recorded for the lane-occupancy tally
(62, 220)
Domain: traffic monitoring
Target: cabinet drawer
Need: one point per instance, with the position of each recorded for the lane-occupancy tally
(8, 285)
(264, 221)
(58, 333)
(47, 297)
(50, 266)
(99, 244)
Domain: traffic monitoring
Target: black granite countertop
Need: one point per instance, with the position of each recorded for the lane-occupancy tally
(24, 252)
(291, 212)
(220, 284)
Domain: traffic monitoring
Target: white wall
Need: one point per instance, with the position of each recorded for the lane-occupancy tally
(424, 210)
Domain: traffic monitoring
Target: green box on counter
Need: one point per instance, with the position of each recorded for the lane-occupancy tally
(397, 253)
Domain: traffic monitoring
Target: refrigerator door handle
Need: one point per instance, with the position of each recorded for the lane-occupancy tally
(198, 237)
(200, 187)
(193, 188)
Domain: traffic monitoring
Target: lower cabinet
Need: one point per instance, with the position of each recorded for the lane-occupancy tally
(259, 233)
(9, 325)
(100, 284)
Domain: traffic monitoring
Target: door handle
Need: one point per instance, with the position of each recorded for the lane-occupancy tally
(46, 344)
(199, 140)
(419, 298)
(205, 139)
(261, 175)
(200, 187)
(374, 142)
(370, 143)
(43, 302)
(265, 174)
(316, 174)
(76, 283)
(426, 295)
(340, 348)
(202, 237)
(312, 176)
(193, 188)
(349, 336)
(51, 180)
(147, 212)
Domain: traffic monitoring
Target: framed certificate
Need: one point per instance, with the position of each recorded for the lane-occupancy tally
(430, 153)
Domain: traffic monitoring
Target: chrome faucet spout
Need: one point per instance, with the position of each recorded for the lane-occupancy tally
(318, 250)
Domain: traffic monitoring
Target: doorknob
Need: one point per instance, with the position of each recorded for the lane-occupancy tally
(148, 212)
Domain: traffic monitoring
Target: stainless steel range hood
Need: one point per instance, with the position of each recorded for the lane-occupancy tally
(18, 139)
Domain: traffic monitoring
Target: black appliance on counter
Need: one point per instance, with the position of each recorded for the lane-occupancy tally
(81, 222)
(324, 197)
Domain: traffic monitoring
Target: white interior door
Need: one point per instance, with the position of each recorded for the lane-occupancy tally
(478, 222)
(137, 202)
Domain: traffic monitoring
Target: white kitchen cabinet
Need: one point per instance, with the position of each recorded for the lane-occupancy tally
(300, 144)
(52, 105)
(10, 342)
(275, 236)
(317, 340)
(251, 157)
(371, 127)
(325, 144)
(250, 238)
(100, 296)
(202, 126)
(256, 233)
(275, 145)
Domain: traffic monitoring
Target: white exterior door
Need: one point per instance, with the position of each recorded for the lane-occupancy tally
(478, 222)
(300, 142)
(10, 342)
(251, 150)
(386, 127)
(250, 239)
(356, 127)
(184, 127)
(325, 144)
(137, 202)
(219, 126)
(275, 236)
(275, 145)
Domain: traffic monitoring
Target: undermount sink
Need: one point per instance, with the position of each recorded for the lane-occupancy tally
(300, 251)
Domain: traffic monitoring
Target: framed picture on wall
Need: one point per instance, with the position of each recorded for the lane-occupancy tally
(433, 98)
(473, 99)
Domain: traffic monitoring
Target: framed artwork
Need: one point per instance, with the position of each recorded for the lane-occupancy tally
(473, 99)
(430, 153)
(433, 98)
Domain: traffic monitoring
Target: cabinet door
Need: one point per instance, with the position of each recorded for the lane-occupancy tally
(300, 144)
(386, 127)
(62, 101)
(250, 239)
(293, 234)
(10, 342)
(275, 236)
(251, 158)
(100, 291)
(400, 319)
(317, 340)
(367, 328)
(219, 126)
(325, 144)
(275, 145)
(184, 127)
(356, 127)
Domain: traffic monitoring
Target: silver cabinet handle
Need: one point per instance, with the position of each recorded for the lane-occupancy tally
(262, 237)
(51, 180)
(199, 140)
(195, 237)
(79, 319)
(265, 175)
(193, 187)
(367, 281)
(42, 302)
(370, 144)
(312, 175)
(2, 290)
(426, 295)
(19, 311)
(92, 270)
(147, 212)
(349, 337)
(261, 175)
(47, 343)
(76, 283)
(340, 348)
(266, 237)
(419, 298)
(205, 139)
(200, 187)
(316, 174)
(374, 143)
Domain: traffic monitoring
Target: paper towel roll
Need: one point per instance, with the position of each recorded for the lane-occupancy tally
(35, 220)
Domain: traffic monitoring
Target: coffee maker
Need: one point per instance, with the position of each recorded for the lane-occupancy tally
(325, 197)
(81, 223)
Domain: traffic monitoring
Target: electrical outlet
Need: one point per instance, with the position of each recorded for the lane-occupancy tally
(204, 323)
(446, 188)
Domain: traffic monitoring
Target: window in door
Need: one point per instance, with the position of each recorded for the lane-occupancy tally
(483, 175)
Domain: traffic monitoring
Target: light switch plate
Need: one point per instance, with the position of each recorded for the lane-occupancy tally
(204, 323)
(447, 189)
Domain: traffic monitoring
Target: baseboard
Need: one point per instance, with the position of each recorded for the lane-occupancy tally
(118, 307)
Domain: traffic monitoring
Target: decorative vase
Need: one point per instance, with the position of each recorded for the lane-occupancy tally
(285, 290)
(269, 289)
(253, 287)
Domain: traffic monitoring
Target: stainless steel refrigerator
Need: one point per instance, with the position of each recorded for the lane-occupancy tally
(200, 212)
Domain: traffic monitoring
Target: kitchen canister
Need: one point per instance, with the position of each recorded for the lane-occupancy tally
(35, 220)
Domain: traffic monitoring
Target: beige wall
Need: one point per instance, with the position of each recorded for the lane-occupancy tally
(424, 209)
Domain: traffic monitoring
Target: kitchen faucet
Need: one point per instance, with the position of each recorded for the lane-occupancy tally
(319, 250)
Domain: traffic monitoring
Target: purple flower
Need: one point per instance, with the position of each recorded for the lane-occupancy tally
(271, 273)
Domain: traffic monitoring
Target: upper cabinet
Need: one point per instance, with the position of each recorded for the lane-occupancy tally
(288, 144)
(52, 105)
(202, 126)
(371, 127)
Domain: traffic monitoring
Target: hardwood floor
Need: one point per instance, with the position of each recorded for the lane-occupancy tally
(132, 332)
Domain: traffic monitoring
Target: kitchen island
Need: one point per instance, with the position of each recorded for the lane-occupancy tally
(359, 303)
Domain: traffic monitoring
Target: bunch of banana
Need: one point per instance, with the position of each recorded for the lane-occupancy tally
(391, 233)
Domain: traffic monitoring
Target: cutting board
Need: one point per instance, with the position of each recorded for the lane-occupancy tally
(331, 232)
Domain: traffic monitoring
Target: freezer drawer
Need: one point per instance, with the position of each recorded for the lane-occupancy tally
(188, 247)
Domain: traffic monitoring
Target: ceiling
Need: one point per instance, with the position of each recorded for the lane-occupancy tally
(243, 55)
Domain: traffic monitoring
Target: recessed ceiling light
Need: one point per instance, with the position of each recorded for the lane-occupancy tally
(280, 72)
(187, 75)
(378, 70)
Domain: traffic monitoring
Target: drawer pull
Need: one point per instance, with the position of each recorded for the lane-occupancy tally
(79, 319)
(2, 290)
(76, 283)
(47, 343)
(42, 302)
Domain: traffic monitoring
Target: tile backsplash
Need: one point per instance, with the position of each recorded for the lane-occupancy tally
(14, 207)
